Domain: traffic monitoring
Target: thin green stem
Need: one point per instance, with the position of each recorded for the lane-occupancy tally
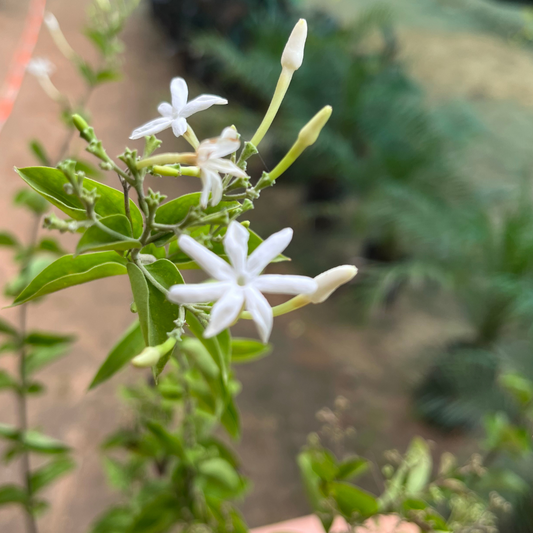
(31, 524)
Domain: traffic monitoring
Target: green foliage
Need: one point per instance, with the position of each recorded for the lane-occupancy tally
(130, 345)
(447, 500)
(69, 271)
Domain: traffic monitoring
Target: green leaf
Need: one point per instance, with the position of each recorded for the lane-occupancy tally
(352, 467)
(41, 338)
(176, 210)
(40, 152)
(115, 520)
(220, 480)
(7, 382)
(212, 345)
(311, 481)
(7, 328)
(50, 472)
(130, 345)
(50, 245)
(418, 458)
(157, 515)
(156, 313)
(68, 271)
(171, 443)
(323, 464)
(246, 350)
(8, 239)
(352, 500)
(37, 442)
(44, 355)
(8, 432)
(231, 419)
(30, 199)
(119, 236)
(49, 182)
(12, 494)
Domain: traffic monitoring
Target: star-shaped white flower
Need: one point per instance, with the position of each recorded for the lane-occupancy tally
(239, 284)
(209, 159)
(40, 67)
(175, 115)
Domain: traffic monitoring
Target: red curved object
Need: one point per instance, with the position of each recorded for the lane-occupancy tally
(21, 58)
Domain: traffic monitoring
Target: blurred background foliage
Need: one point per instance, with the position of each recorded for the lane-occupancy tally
(431, 194)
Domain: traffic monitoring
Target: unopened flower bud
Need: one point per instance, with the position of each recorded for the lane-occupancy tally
(310, 132)
(330, 281)
(293, 54)
(151, 354)
(148, 357)
(51, 22)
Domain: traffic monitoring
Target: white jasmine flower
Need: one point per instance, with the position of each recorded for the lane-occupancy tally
(293, 54)
(239, 284)
(209, 158)
(175, 115)
(40, 67)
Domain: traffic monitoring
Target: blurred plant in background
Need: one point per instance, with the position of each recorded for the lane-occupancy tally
(37, 349)
(446, 501)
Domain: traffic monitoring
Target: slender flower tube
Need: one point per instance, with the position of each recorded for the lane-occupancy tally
(210, 161)
(42, 69)
(175, 115)
(239, 284)
(291, 60)
(307, 137)
(328, 282)
(57, 35)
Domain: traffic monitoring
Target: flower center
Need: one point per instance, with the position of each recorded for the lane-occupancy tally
(241, 280)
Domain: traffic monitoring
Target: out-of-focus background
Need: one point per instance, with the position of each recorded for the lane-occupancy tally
(422, 179)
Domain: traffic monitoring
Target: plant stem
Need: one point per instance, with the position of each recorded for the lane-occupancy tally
(31, 524)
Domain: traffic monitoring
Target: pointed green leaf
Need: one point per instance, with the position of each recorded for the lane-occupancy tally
(12, 494)
(44, 355)
(42, 338)
(68, 271)
(50, 245)
(32, 200)
(171, 443)
(48, 473)
(246, 350)
(119, 237)
(6, 381)
(40, 152)
(351, 499)
(49, 182)
(231, 419)
(156, 313)
(352, 467)
(212, 344)
(8, 239)
(37, 442)
(7, 328)
(9, 432)
(130, 345)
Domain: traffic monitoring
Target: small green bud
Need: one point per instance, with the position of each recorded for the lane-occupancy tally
(148, 357)
(133, 307)
(247, 205)
(86, 132)
(68, 188)
(388, 471)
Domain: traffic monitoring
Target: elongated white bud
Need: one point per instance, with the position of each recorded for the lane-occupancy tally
(309, 133)
(330, 281)
(51, 22)
(151, 354)
(148, 357)
(293, 54)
